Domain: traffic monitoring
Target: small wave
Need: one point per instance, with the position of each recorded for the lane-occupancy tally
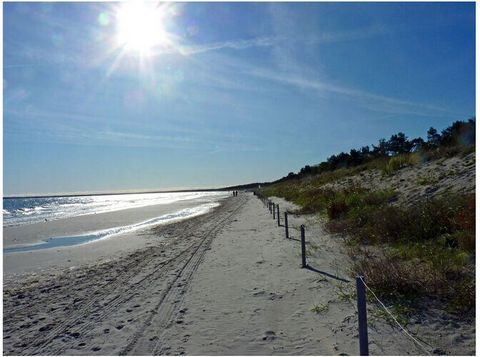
(25, 211)
(33, 210)
(56, 242)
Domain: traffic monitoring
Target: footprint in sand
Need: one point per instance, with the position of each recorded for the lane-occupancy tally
(269, 336)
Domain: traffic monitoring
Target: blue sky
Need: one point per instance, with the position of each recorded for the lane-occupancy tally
(231, 93)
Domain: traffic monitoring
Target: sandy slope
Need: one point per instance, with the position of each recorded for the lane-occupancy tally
(226, 283)
(423, 180)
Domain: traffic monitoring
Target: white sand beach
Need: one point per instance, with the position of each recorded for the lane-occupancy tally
(224, 283)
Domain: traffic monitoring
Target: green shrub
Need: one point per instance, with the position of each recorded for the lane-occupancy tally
(400, 161)
(462, 296)
(391, 278)
(429, 247)
(465, 240)
(448, 151)
(408, 273)
(337, 208)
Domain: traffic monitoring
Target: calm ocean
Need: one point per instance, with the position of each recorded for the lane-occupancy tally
(17, 211)
(22, 211)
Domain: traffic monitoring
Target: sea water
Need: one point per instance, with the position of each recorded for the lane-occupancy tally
(28, 210)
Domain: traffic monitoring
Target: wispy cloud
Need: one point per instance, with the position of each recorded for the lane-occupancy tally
(292, 69)
(366, 99)
(234, 44)
(270, 41)
(83, 129)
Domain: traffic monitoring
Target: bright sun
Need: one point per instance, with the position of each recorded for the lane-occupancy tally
(139, 27)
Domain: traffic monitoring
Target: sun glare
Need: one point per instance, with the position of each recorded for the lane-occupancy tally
(139, 27)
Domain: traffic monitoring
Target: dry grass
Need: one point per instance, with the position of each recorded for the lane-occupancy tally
(427, 248)
(400, 161)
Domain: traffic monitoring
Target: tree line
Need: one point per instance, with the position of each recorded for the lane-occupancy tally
(460, 133)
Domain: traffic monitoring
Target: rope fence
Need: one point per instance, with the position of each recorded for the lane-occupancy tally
(361, 285)
(404, 330)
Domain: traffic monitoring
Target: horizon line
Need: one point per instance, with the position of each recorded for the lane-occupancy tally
(105, 193)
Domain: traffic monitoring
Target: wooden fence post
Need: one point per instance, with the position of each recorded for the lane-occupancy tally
(286, 224)
(278, 215)
(362, 317)
(302, 235)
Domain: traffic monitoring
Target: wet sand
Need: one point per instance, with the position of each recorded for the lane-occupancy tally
(36, 232)
(95, 251)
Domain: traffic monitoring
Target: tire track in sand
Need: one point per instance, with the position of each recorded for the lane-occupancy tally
(162, 316)
(73, 325)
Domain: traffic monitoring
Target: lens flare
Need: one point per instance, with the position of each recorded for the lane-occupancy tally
(103, 19)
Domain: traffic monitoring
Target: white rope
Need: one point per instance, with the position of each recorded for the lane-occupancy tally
(394, 319)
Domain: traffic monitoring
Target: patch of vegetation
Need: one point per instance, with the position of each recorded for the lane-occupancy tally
(344, 293)
(321, 279)
(312, 249)
(404, 253)
(312, 198)
(400, 161)
(319, 308)
(399, 311)
(426, 250)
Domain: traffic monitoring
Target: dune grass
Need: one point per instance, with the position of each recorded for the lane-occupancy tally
(399, 162)
(426, 250)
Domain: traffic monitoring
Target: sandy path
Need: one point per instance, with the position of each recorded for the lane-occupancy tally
(107, 308)
(251, 297)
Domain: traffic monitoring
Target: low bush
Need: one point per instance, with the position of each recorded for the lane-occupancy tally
(400, 161)
(391, 278)
(412, 273)
(448, 151)
(427, 249)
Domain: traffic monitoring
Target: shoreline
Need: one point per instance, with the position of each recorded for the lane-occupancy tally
(83, 194)
(103, 249)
